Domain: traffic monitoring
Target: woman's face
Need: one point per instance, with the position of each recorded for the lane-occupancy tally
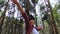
(31, 22)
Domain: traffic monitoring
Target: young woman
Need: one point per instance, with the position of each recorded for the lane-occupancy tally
(29, 20)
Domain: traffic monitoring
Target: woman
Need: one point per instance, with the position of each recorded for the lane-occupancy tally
(29, 20)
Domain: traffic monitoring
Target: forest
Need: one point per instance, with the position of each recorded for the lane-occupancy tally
(45, 12)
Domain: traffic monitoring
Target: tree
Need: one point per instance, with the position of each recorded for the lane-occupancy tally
(52, 21)
(2, 18)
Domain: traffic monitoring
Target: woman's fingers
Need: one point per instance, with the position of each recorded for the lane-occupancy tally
(14, 1)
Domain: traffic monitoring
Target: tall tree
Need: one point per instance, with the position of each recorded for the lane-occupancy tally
(51, 20)
(2, 18)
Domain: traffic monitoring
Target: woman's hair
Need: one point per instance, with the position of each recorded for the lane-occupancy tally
(31, 17)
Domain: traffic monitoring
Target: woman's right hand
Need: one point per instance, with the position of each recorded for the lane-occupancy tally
(14, 1)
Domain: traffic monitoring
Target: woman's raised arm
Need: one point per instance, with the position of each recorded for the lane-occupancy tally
(21, 9)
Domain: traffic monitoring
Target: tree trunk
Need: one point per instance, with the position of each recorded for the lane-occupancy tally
(52, 21)
(43, 31)
(2, 18)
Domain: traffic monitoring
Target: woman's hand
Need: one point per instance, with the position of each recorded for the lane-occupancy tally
(14, 1)
(38, 28)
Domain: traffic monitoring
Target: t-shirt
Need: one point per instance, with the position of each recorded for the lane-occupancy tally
(34, 31)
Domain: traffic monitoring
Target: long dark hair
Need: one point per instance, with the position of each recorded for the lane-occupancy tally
(31, 17)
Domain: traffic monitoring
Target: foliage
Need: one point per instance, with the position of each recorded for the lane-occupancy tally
(55, 11)
(0, 10)
(1, 2)
(34, 1)
(42, 7)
